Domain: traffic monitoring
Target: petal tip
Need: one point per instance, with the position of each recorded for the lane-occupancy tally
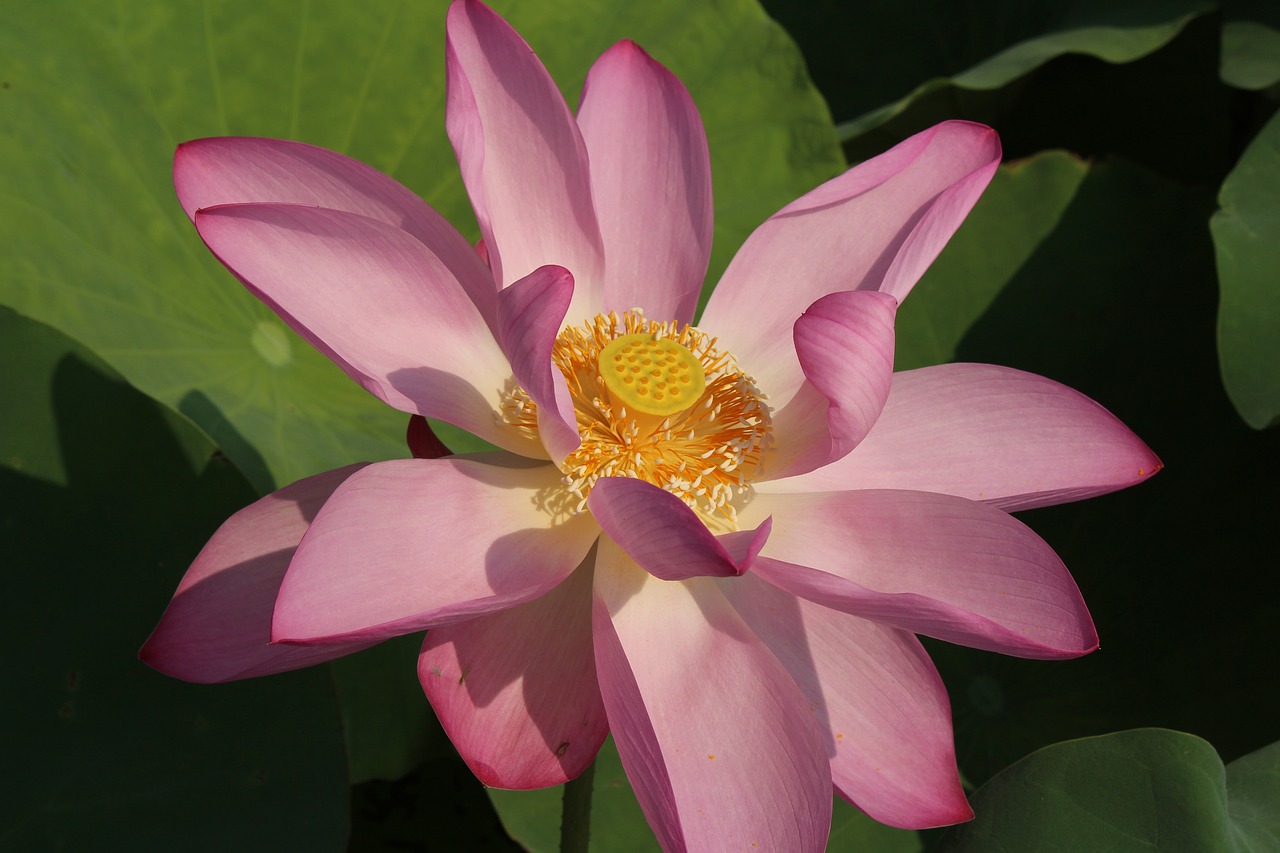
(628, 50)
(980, 134)
(150, 655)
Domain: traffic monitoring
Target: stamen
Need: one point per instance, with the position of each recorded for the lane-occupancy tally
(718, 427)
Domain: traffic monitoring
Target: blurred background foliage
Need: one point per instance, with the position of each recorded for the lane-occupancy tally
(1129, 247)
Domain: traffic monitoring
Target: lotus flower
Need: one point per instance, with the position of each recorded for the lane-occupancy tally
(717, 542)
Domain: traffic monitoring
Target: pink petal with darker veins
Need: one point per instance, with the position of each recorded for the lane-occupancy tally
(240, 169)
(931, 564)
(529, 315)
(876, 227)
(718, 743)
(218, 625)
(376, 302)
(415, 543)
(662, 534)
(523, 160)
(992, 434)
(881, 706)
(844, 342)
(651, 181)
(516, 690)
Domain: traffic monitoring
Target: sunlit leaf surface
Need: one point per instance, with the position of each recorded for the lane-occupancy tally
(96, 98)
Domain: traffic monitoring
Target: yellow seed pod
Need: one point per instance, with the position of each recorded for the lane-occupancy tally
(651, 375)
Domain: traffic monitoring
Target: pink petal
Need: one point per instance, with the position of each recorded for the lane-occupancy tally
(523, 160)
(931, 564)
(844, 342)
(516, 690)
(376, 302)
(237, 169)
(1011, 439)
(529, 316)
(414, 543)
(881, 707)
(651, 181)
(717, 741)
(876, 227)
(218, 625)
(661, 533)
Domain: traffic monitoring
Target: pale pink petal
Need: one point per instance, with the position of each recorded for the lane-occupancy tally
(844, 342)
(876, 227)
(516, 690)
(239, 169)
(720, 747)
(1011, 439)
(218, 625)
(529, 316)
(880, 705)
(651, 181)
(522, 158)
(414, 543)
(661, 533)
(376, 302)
(932, 564)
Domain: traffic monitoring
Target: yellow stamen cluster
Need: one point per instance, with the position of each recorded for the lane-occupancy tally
(704, 443)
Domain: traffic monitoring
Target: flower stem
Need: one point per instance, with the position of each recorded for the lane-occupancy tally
(575, 814)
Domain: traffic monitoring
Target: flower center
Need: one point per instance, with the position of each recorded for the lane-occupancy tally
(653, 375)
(658, 402)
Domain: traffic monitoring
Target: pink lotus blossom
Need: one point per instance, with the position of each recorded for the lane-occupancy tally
(726, 568)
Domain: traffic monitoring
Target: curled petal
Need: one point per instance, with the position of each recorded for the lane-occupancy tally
(376, 302)
(719, 746)
(423, 441)
(529, 316)
(523, 160)
(516, 690)
(844, 342)
(239, 170)
(879, 702)
(992, 434)
(414, 543)
(651, 182)
(661, 533)
(876, 227)
(931, 564)
(218, 625)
